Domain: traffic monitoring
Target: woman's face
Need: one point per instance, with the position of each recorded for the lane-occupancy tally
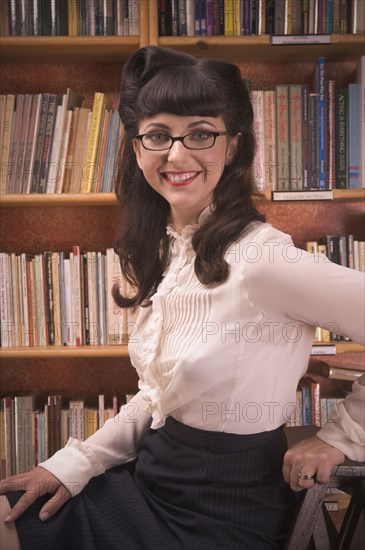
(186, 178)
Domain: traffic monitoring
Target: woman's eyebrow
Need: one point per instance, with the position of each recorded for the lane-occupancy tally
(162, 126)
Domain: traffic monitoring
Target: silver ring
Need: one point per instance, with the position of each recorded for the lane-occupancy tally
(306, 477)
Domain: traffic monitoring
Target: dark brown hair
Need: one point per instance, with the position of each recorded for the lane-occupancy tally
(156, 80)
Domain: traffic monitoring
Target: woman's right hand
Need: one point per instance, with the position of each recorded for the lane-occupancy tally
(35, 483)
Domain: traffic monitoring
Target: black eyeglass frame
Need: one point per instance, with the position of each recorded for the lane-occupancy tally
(181, 138)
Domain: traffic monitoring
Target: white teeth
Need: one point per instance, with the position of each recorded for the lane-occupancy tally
(177, 178)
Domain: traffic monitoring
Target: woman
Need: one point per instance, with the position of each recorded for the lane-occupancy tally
(224, 334)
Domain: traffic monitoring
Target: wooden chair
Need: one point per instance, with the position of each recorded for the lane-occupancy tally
(312, 528)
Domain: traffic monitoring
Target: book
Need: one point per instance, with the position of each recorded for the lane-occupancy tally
(63, 152)
(353, 137)
(331, 144)
(320, 90)
(7, 129)
(79, 152)
(258, 168)
(23, 139)
(341, 133)
(338, 373)
(47, 142)
(90, 168)
(295, 137)
(360, 79)
(71, 145)
(116, 317)
(70, 100)
(31, 146)
(282, 137)
(357, 21)
(14, 144)
(36, 168)
(270, 140)
(316, 404)
(306, 149)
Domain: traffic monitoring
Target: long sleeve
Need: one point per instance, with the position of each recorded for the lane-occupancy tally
(287, 283)
(346, 428)
(115, 443)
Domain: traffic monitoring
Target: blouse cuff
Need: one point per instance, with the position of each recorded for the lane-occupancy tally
(343, 433)
(74, 465)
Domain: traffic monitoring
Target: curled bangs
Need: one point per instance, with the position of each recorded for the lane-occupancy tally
(181, 90)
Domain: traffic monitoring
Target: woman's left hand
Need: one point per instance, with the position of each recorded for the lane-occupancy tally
(310, 461)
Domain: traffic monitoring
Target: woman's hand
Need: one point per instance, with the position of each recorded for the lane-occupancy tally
(35, 483)
(310, 461)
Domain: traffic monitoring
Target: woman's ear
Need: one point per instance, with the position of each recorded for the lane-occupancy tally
(232, 147)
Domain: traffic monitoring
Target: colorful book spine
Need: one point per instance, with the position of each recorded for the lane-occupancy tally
(320, 89)
(93, 143)
(341, 108)
(360, 79)
(353, 137)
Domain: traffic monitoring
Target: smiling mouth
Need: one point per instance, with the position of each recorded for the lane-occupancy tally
(178, 179)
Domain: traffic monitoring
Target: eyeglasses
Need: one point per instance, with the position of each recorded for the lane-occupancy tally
(158, 141)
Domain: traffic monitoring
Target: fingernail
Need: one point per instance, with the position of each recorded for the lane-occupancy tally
(8, 519)
(43, 516)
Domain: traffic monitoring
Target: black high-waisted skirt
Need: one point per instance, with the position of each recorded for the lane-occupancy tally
(188, 488)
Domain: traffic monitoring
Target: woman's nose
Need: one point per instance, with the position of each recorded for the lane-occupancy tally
(177, 151)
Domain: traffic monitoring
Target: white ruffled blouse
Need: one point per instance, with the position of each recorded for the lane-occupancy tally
(228, 358)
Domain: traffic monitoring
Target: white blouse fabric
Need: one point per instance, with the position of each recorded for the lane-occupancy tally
(228, 358)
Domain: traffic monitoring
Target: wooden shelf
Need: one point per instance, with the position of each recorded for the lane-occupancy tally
(118, 48)
(338, 195)
(64, 351)
(104, 199)
(65, 49)
(62, 199)
(111, 351)
(76, 49)
(259, 49)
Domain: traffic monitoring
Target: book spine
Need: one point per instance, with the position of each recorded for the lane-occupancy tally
(257, 100)
(360, 79)
(295, 137)
(210, 17)
(47, 143)
(6, 141)
(32, 142)
(182, 22)
(203, 18)
(353, 136)
(39, 144)
(322, 133)
(23, 137)
(313, 136)
(190, 23)
(92, 148)
(316, 404)
(305, 137)
(341, 108)
(14, 146)
(270, 140)
(229, 17)
(331, 144)
(282, 137)
(49, 298)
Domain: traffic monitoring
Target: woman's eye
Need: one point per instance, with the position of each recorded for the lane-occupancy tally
(200, 136)
(157, 137)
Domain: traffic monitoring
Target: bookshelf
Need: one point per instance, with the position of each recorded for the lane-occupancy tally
(33, 223)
